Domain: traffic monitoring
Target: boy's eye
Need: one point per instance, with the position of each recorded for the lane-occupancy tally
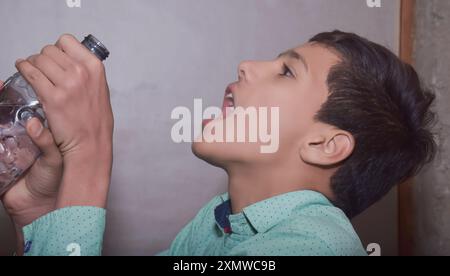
(287, 72)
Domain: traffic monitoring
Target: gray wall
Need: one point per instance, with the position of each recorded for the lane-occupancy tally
(432, 192)
(165, 53)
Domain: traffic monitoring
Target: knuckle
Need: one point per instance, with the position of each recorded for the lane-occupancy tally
(59, 99)
(33, 75)
(20, 63)
(80, 74)
(39, 60)
(54, 158)
(72, 85)
(21, 66)
(95, 64)
(47, 49)
(30, 59)
(65, 38)
(80, 71)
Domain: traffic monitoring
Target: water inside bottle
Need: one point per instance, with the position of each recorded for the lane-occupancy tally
(17, 150)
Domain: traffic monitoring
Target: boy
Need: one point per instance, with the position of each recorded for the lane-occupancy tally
(353, 122)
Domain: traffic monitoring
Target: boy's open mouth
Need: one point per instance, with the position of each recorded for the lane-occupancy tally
(228, 104)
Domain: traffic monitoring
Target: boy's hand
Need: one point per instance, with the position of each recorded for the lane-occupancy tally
(71, 84)
(35, 194)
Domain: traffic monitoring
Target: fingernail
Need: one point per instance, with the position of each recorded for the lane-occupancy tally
(36, 128)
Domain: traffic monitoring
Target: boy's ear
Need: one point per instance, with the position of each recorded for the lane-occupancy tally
(328, 148)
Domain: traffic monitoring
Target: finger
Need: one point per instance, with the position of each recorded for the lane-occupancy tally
(73, 48)
(49, 68)
(58, 56)
(43, 138)
(1, 84)
(41, 84)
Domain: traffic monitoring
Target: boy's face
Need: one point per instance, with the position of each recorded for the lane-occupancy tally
(295, 83)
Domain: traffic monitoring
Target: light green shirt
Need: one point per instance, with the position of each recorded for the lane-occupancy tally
(73, 231)
(299, 223)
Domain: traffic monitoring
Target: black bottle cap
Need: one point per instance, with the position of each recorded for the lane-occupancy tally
(96, 47)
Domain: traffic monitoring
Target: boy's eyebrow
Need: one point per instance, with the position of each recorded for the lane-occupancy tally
(297, 56)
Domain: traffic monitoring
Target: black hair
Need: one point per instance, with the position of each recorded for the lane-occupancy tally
(378, 99)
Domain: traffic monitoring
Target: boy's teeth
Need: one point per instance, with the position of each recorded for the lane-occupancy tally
(230, 96)
(231, 108)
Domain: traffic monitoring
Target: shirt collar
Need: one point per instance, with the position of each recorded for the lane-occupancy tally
(266, 214)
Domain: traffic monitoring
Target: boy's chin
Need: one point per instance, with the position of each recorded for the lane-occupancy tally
(224, 155)
(209, 153)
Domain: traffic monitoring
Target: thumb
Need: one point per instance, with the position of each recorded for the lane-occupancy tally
(43, 138)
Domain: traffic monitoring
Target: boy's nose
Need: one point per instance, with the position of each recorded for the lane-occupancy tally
(255, 70)
(244, 70)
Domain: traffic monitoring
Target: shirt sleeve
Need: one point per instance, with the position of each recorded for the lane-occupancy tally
(72, 231)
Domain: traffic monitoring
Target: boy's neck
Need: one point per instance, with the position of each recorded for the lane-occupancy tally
(248, 185)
